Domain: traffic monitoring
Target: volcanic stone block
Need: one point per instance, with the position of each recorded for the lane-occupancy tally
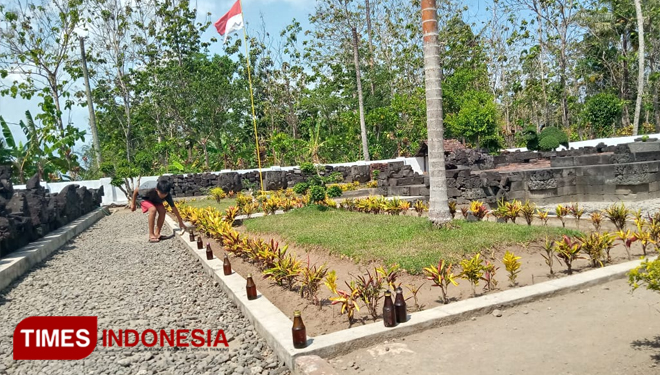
(451, 192)
(86, 201)
(6, 188)
(17, 205)
(230, 181)
(67, 201)
(419, 191)
(541, 184)
(475, 193)
(636, 147)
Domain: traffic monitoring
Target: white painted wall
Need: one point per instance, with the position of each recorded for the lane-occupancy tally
(594, 142)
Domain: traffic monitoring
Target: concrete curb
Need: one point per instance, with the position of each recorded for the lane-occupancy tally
(274, 326)
(17, 263)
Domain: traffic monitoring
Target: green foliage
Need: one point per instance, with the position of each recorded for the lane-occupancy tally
(568, 250)
(334, 191)
(370, 288)
(551, 137)
(310, 281)
(301, 188)
(42, 152)
(317, 194)
(512, 264)
(531, 138)
(601, 112)
(217, 193)
(596, 246)
(647, 274)
(442, 276)
(307, 168)
(617, 214)
(473, 270)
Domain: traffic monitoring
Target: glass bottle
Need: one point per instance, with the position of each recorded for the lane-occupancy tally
(192, 236)
(209, 252)
(251, 288)
(400, 306)
(226, 265)
(389, 316)
(200, 243)
(299, 332)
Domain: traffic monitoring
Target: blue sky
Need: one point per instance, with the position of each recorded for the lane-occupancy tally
(276, 13)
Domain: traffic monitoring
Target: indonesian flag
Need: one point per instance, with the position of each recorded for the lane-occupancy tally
(230, 22)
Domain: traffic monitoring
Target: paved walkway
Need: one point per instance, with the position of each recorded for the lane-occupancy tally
(602, 330)
(110, 271)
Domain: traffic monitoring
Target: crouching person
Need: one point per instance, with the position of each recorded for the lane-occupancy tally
(151, 200)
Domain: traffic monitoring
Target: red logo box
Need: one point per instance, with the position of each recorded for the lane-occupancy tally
(55, 337)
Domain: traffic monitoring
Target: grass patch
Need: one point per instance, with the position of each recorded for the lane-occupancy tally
(410, 241)
(204, 203)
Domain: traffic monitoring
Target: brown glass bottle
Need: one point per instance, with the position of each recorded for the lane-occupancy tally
(192, 236)
(389, 316)
(400, 306)
(209, 252)
(251, 288)
(299, 332)
(200, 243)
(226, 265)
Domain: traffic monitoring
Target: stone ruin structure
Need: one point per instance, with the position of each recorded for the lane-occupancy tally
(597, 174)
(27, 215)
(600, 173)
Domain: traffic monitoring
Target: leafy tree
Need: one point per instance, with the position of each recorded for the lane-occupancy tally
(36, 42)
(601, 112)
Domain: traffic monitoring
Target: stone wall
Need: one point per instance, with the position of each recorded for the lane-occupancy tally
(27, 215)
(601, 173)
(198, 184)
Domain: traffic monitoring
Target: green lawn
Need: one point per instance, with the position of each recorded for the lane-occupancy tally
(410, 241)
(222, 205)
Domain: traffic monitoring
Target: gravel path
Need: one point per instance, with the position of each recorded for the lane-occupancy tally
(110, 271)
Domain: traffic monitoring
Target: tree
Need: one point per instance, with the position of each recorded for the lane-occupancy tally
(439, 210)
(640, 58)
(340, 20)
(36, 41)
(39, 153)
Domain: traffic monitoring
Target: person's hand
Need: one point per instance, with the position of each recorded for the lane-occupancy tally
(183, 226)
(132, 206)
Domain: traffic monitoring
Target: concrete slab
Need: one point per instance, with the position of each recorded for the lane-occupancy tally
(19, 262)
(275, 326)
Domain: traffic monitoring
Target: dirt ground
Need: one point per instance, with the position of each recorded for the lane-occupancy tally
(328, 318)
(601, 330)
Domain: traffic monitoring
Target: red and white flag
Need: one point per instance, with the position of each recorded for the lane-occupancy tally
(230, 22)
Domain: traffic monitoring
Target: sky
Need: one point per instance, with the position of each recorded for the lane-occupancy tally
(276, 14)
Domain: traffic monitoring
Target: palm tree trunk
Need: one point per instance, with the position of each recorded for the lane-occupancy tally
(367, 10)
(640, 74)
(363, 126)
(439, 210)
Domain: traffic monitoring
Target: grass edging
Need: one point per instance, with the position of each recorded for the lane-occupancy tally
(275, 327)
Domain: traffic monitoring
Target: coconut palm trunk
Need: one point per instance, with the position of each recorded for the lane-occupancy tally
(439, 210)
(640, 54)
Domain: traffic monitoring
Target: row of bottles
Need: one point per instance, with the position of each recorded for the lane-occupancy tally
(394, 312)
(226, 265)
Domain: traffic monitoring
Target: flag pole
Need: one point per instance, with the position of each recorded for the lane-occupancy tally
(254, 116)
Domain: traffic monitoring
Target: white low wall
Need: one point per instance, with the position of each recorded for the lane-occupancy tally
(593, 142)
(113, 195)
